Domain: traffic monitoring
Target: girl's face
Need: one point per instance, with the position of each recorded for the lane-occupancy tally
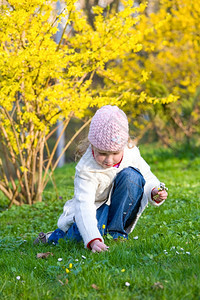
(107, 159)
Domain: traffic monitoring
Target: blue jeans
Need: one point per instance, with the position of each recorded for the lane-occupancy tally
(126, 197)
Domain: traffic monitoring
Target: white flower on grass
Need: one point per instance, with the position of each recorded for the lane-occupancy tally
(173, 247)
(60, 259)
(18, 277)
(187, 252)
(127, 283)
(83, 257)
(135, 237)
(76, 259)
(177, 252)
(182, 249)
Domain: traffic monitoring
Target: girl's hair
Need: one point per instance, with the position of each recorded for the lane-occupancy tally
(84, 144)
(81, 148)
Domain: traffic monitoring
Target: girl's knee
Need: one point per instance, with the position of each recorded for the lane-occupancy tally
(131, 174)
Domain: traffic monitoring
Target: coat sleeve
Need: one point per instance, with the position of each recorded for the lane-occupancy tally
(85, 209)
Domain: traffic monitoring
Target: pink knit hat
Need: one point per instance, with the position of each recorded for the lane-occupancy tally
(109, 130)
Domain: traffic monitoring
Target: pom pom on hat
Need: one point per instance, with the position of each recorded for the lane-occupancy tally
(109, 130)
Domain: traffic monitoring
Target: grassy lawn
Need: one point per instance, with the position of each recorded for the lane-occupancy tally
(159, 261)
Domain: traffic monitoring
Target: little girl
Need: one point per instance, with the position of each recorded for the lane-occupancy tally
(112, 186)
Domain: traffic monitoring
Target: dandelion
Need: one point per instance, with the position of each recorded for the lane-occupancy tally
(103, 227)
(127, 283)
(123, 270)
(18, 277)
(67, 270)
(70, 265)
(60, 259)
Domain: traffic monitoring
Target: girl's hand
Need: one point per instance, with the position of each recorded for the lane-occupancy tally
(159, 196)
(98, 246)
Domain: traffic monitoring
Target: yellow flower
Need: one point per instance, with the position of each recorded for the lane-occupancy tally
(103, 226)
(123, 270)
(67, 270)
(145, 76)
(70, 266)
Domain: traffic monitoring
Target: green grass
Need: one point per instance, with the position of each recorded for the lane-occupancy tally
(163, 263)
